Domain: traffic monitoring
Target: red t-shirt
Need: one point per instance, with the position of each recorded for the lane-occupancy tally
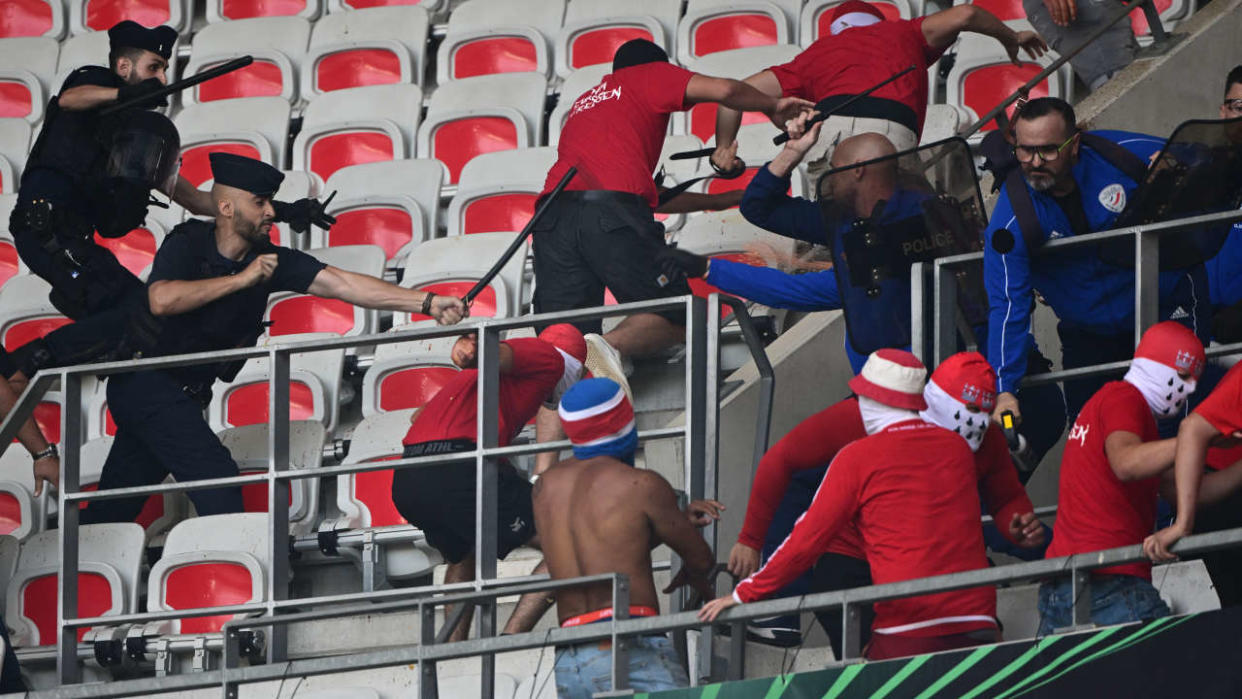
(615, 130)
(1095, 509)
(1223, 410)
(855, 60)
(453, 412)
(893, 484)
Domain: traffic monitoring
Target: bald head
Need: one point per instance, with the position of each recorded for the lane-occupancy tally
(864, 146)
(860, 187)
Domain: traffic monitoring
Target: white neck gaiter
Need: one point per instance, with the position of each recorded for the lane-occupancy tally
(571, 376)
(952, 414)
(1164, 391)
(876, 416)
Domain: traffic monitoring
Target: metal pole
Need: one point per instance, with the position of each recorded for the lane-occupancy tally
(851, 632)
(620, 650)
(428, 682)
(918, 311)
(67, 668)
(945, 312)
(1146, 282)
(696, 425)
(486, 495)
(278, 497)
(705, 661)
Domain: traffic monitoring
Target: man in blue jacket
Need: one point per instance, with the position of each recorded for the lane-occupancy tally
(1073, 190)
(1225, 270)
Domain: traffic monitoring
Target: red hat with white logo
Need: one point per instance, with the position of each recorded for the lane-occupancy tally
(567, 339)
(893, 377)
(1173, 345)
(968, 378)
(853, 13)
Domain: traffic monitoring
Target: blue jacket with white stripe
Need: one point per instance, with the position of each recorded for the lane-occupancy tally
(1083, 290)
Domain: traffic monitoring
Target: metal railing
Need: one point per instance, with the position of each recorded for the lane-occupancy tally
(943, 302)
(702, 355)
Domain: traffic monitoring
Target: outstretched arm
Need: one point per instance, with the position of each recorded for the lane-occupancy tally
(370, 292)
(192, 199)
(671, 526)
(729, 120)
(941, 30)
(1193, 438)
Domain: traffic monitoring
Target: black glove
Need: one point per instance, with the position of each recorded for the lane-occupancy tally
(677, 264)
(302, 213)
(151, 85)
(1227, 324)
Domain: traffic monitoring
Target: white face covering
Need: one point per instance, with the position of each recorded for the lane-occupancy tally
(853, 19)
(876, 416)
(952, 414)
(1164, 390)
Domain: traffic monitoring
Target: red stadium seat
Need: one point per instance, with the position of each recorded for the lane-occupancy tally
(311, 314)
(373, 490)
(10, 263)
(484, 305)
(501, 212)
(39, 602)
(412, 387)
(101, 15)
(595, 46)
(23, 331)
(214, 584)
(47, 417)
(491, 55)
(259, 79)
(10, 512)
(365, 4)
(134, 251)
(1138, 20)
(456, 142)
(196, 167)
(1005, 10)
(737, 31)
(248, 404)
(985, 87)
(703, 120)
(244, 9)
(254, 496)
(17, 98)
(26, 18)
(152, 509)
(357, 68)
(390, 228)
(331, 152)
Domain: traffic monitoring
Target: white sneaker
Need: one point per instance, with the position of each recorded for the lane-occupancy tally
(604, 361)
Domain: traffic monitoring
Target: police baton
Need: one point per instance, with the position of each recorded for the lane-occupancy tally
(521, 239)
(781, 138)
(212, 73)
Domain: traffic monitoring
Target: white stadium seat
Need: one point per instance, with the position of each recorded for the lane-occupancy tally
(249, 446)
(407, 375)
(217, 11)
(595, 28)
(497, 190)
(394, 204)
(355, 126)
(471, 116)
(44, 18)
(737, 64)
(375, 46)
(574, 86)
(159, 512)
(711, 26)
(453, 265)
(87, 16)
(110, 558)
(277, 44)
(15, 135)
(255, 127)
(486, 37)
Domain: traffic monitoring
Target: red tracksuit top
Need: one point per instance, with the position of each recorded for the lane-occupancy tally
(816, 441)
(911, 489)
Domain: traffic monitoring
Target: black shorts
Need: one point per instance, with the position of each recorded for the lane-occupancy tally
(440, 501)
(590, 240)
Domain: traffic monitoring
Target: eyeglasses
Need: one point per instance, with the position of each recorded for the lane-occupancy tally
(1234, 105)
(1048, 153)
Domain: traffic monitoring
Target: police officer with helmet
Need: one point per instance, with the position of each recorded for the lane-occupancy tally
(207, 291)
(93, 173)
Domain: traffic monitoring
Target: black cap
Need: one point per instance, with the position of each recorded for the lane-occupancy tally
(129, 34)
(254, 176)
(637, 52)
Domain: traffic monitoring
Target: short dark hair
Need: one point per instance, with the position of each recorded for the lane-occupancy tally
(636, 52)
(1235, 76)
(1043, 106)
(116, 54)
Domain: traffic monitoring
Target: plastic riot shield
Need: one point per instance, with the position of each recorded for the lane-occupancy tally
(143, 154)
(1198, 172)
(885, 214)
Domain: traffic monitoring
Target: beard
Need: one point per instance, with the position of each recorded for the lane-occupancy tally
(255, 232)
(1040, 180)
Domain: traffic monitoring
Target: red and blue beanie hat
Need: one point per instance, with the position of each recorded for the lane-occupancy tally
(599, 420)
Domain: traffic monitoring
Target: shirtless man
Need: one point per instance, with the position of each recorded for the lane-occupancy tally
(596, 514)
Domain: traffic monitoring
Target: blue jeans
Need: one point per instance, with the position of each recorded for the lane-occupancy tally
(585, 669)
(1115, 599)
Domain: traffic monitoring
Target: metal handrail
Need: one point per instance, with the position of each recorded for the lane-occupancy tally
(1158, 35)
(1077, 566)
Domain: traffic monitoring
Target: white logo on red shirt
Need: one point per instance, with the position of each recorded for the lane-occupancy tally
(599, 93)
(1079, 432)
(1113, 198)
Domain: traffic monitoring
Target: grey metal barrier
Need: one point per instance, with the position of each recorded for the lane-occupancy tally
(943, 301)
(1077, 567)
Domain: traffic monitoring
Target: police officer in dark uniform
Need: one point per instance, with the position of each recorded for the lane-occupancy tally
(66, 195)
(208, 290)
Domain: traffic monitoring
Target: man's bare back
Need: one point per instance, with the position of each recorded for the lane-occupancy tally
(603, 515)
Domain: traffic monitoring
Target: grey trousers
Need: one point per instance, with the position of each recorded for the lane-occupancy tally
(1108, 54)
